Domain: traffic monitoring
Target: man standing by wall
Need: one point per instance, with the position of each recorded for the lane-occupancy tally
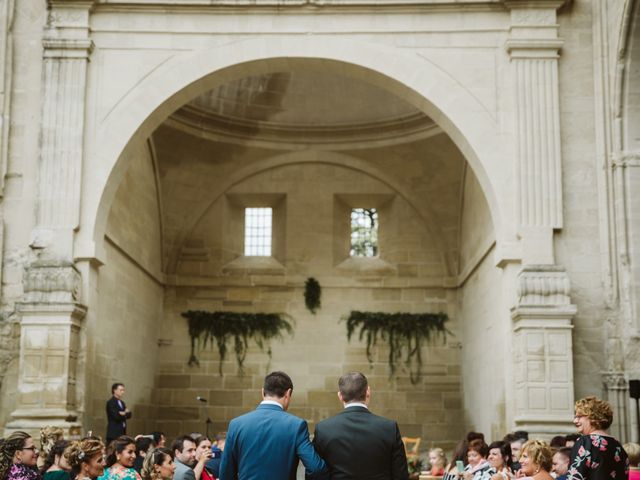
(357, 444)
(117, 413)
(268, 442)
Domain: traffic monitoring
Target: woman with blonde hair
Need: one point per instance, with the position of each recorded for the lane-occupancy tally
(596, 455)
(536, 460)
(86, 458)
(158, 465)
(18, 457)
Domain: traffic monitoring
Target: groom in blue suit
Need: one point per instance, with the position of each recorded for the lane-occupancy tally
(268, 442)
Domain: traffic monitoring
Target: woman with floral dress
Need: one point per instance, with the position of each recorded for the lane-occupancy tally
(18, 457)
(596, 455)
(122, 454)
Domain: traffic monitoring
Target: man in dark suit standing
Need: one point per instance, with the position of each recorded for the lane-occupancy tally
(268, 442)
(356, 444)
(117, 413)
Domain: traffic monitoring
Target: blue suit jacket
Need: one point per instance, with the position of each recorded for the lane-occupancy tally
(266, 444)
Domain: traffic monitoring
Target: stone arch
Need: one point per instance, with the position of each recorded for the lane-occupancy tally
(412, 77)
(424, 212)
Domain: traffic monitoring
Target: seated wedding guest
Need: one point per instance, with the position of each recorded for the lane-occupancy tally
(500, 460)
(515, 442)
(535, 461)
(213, 464)
(203, 455)
(570, 440)
(558, 441)
(159, 439)
(120, 457)
(49, 435)
(85, 458)
(438, 461)
(633, 452)
(596, 455)
(158, 465)
(55, 466)
(561, 460)
(143, 445)
(459, 455)
(478, 467)
(18, 457)
(184, 454)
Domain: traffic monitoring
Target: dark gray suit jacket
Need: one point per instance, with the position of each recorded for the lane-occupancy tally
(356, 444)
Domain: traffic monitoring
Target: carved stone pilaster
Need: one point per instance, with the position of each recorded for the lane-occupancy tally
(51, 320)
(616, 386)
(533, 46)
(543, 353)
(67, 47)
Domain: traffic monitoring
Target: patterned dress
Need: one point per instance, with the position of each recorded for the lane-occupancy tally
(19, 471)
(118, 472)
(598, 457)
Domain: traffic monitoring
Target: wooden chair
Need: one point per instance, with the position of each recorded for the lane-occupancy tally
(411, 445)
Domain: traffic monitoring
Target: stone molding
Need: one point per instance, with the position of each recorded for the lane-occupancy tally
(543, 285)
(52, 283)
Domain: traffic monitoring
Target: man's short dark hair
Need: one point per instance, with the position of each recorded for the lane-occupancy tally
(178, 443)
(521, 435)
(116, 385)
(353, 387)
(565, 452)
(276, 384)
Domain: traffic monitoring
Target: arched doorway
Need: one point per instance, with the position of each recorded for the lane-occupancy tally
(313, 139)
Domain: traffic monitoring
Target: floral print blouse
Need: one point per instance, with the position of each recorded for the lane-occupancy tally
(598, 457)
(18, 471)
(118, 472)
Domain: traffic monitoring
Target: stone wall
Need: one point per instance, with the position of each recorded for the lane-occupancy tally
(122, 336)
(408, 277)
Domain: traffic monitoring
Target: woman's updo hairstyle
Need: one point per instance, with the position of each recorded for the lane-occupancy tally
(540, 453)
(81, 451)
(156, 457)
(8, 447)
(56, 450)
(118, 446)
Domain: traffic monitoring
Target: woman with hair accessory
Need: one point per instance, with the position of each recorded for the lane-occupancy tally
(500, 460)
(85, 458)
(120, 458)
(18, 457)
(55, 465)
(535, 461)
(158, 465)
(596, 455)
(437, 460)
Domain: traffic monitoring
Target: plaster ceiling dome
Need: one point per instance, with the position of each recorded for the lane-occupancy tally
(303, 107)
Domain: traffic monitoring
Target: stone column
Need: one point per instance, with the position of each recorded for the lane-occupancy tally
(542, 351)
(49, 349)
(541, 343)
(52, 310)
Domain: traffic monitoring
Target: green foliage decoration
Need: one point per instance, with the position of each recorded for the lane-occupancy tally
(312, 294)
(223, 328)
(405, 333)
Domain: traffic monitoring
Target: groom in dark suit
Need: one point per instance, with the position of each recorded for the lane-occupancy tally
(356, 444)
(267, 442)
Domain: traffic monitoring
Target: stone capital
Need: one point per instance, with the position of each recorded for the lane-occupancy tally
(52, 283)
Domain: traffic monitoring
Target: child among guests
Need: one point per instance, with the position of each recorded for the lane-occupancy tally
(633, 452)
(438, 461)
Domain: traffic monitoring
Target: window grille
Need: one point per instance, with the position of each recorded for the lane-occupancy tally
(364, 232)
(257, 232)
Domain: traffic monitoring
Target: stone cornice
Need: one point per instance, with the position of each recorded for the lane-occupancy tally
(220, 128)
(535, 4)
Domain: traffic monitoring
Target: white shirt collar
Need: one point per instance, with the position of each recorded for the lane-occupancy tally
(271, 402)
(356, 404)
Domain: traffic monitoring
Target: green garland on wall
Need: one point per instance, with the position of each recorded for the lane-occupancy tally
(312, 294)
(405, 333)
(224, 328)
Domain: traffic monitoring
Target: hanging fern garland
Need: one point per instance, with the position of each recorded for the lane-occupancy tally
(404, 333)
(312, 294)
(238, 328)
